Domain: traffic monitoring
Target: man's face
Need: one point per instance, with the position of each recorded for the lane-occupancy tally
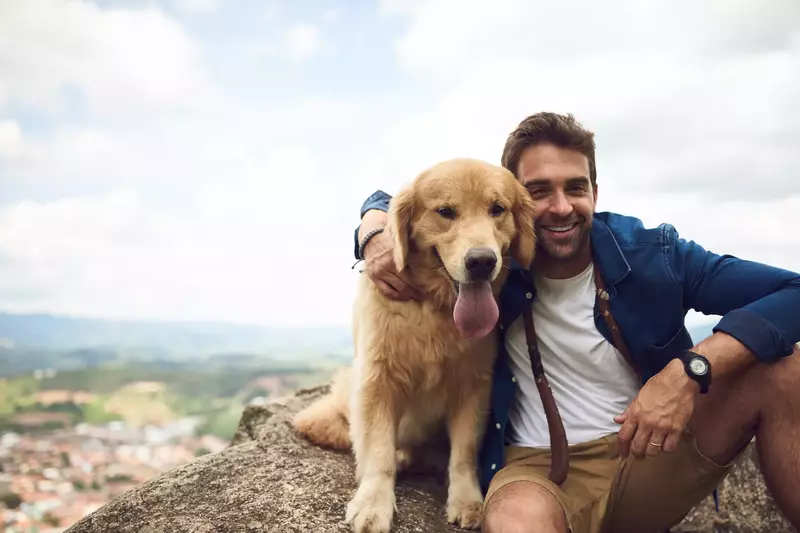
(558, 180)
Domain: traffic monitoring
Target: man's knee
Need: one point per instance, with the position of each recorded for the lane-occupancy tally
(522, 507)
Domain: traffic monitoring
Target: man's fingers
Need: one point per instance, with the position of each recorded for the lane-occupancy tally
(639, 442)
(388, 290)
(672, 440)
(415, 293)
(400, 284)
(408, 286)
(655, 443)
(393, 287)
(621, 418)
(405, 288)
(626, 434)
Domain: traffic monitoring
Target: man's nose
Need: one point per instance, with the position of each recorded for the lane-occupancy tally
(560, 204)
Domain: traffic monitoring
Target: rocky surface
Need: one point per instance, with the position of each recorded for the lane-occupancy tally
(270, 480)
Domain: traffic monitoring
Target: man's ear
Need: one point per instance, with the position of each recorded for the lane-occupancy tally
(401, 209)
(523, 246)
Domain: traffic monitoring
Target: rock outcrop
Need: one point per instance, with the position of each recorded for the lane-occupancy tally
(269, 480)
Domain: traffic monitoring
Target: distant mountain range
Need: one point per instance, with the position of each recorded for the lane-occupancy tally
(56, 332)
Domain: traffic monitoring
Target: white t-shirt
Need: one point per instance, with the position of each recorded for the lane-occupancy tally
(590, 379)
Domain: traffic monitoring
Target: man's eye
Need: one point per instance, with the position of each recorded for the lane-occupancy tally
(446, 212)
(538, 193)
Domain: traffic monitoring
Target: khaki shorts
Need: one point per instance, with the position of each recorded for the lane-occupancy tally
(606, 493)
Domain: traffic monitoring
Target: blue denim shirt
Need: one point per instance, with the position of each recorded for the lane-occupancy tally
(653, 278)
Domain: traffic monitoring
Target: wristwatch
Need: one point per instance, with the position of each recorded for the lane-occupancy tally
(697, 368)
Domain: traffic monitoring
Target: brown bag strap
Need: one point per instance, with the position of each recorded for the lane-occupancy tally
(558, 435)
(605, 309)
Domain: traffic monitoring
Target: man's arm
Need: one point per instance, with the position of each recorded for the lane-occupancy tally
(377, 201)
(760, 307)
(759, 304)
(377, 253)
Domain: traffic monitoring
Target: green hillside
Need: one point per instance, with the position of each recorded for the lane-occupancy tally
(146, 392)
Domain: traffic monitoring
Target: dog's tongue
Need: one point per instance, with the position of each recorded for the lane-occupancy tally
(476, 312)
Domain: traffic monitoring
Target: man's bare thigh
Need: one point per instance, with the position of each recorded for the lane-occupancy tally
(725, 420)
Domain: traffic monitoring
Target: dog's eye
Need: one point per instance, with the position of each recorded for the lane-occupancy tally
(446, 212)
(497, 210)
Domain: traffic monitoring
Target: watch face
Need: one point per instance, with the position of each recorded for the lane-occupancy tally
(698, 366)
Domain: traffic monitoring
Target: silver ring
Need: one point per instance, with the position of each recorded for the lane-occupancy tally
(654, 444)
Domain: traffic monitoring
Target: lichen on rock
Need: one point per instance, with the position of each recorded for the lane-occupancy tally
(270, 480)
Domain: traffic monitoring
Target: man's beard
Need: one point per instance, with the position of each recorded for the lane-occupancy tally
(562, 249)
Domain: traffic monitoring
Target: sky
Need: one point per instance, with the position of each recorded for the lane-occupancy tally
(207, 159)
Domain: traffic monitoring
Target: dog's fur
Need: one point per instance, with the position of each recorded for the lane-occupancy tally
(413, 369)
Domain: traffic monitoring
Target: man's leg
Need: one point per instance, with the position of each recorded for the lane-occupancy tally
(521, 499)
(763, 401)
(521, 507)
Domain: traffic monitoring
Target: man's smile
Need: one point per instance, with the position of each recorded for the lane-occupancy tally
(562, 230)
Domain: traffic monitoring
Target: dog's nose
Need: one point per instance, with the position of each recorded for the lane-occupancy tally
(480, 263)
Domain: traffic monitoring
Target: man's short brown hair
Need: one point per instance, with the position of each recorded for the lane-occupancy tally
(549, 128)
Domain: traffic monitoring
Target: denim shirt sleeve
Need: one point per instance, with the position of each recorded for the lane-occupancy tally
(377, 200)
(759, 304)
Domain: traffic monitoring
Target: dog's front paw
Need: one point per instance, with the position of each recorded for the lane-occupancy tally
(371, 511)
(465, 513)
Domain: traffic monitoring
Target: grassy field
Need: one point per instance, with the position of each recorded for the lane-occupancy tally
(215, 389)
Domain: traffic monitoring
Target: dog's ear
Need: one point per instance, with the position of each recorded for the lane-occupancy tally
(401, 209)
(523, 246)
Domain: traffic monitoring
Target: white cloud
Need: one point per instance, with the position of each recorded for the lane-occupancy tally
(178, 204)
(10, 139)
(75, 154)
(442, 34)
(121, 61)
(115, 256)
(302, 41)
(680, 97)
(331, 16)
(197, 7)
(295, 43)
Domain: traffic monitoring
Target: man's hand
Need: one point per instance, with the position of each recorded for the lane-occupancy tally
(659, 414)
(662, 409)
(379, 262)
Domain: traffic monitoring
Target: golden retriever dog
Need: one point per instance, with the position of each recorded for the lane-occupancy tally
(424, 365)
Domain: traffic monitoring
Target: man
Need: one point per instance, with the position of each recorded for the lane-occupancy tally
(644, 448)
